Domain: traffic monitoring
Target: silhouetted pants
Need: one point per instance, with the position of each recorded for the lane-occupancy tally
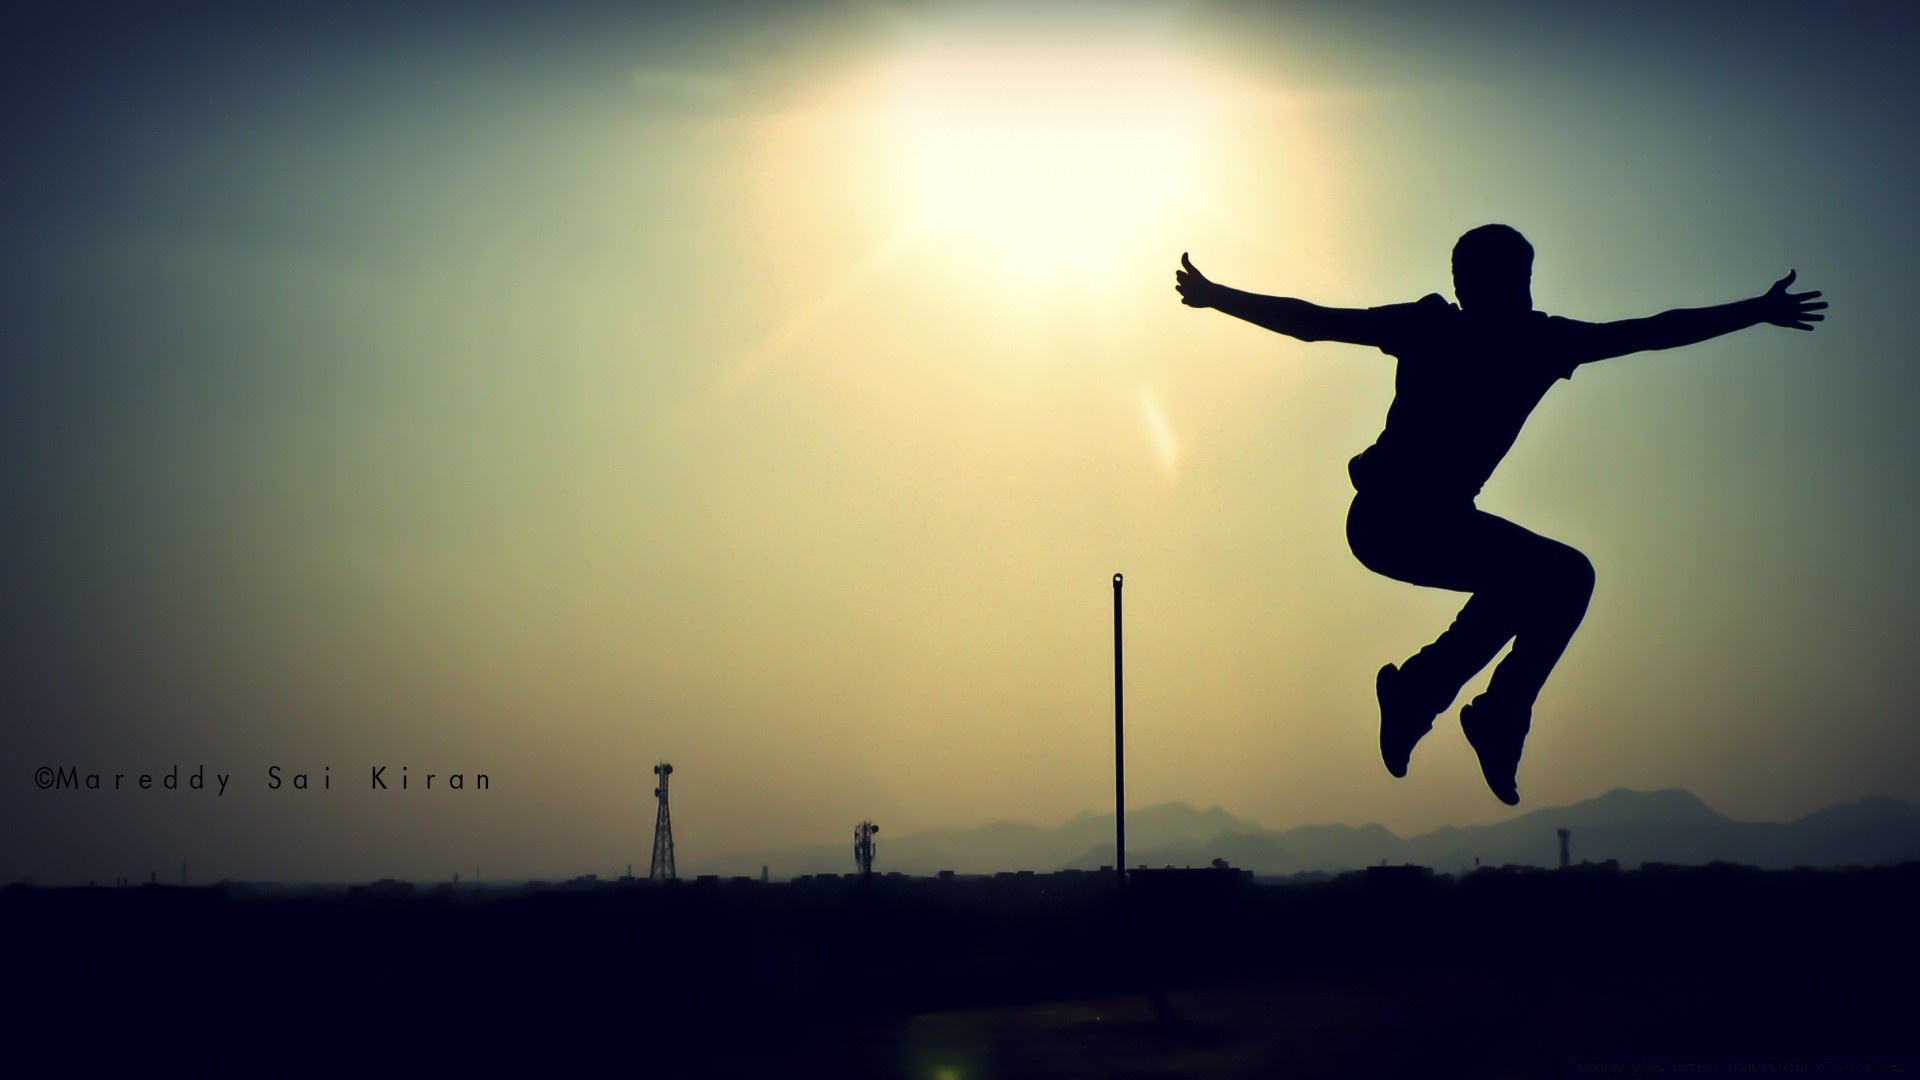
(1526, 589)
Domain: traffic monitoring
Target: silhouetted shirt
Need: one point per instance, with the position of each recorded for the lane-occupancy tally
(1463, 388)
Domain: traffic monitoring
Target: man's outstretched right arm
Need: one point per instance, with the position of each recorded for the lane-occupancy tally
(1280, 314)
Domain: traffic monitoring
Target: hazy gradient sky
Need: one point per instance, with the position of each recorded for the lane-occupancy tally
(546, 392)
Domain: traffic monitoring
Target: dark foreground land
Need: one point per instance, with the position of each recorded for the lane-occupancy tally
(1716, 970)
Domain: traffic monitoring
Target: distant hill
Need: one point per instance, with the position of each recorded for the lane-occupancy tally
(1632, 827)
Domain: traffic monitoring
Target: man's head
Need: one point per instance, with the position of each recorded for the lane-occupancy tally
(1493, 271)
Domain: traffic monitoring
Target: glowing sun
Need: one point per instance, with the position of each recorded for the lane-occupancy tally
(1049, 157)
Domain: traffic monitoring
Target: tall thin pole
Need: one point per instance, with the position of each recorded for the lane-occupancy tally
(1119, 747)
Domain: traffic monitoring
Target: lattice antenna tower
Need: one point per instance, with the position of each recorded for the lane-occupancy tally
(662, 869)
(863, 846)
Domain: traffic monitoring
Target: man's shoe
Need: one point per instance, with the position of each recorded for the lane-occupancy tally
(1403, 723)
(1497, 737)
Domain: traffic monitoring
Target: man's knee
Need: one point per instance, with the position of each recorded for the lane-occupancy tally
(1564, 573)
(1573, 574)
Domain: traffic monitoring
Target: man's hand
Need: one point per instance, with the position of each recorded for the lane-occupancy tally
(1196, 291)
(1795, 310)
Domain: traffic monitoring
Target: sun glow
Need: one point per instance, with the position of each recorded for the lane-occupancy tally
(1003, 159)
(1051, 158)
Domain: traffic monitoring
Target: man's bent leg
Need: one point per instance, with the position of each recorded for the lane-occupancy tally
(1478, 633)
(1422, 688)
(1553, 609)
(1497, 722)
(1459, 548)
(1441, 547)
(1526, 588)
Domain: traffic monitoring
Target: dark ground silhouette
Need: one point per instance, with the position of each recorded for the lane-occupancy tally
(1390, 971)
(1468, 375)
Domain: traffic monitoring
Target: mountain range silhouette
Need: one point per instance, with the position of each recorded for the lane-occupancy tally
(1630, 827)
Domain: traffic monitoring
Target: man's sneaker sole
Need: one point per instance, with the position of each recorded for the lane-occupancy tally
(1499, 752)
(1399, 731)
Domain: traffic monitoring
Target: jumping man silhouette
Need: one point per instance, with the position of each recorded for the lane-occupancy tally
(1466, 379)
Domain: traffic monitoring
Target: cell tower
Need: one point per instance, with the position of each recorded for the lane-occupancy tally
(863, 846)
(662, 869)
(1566, 854)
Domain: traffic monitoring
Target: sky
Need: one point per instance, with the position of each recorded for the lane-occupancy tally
(549, 391)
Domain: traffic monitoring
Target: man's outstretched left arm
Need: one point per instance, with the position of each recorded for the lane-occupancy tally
(1690, 326)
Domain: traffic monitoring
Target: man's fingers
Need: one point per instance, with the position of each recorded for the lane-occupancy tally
(1786, 281)
(1821, 306)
